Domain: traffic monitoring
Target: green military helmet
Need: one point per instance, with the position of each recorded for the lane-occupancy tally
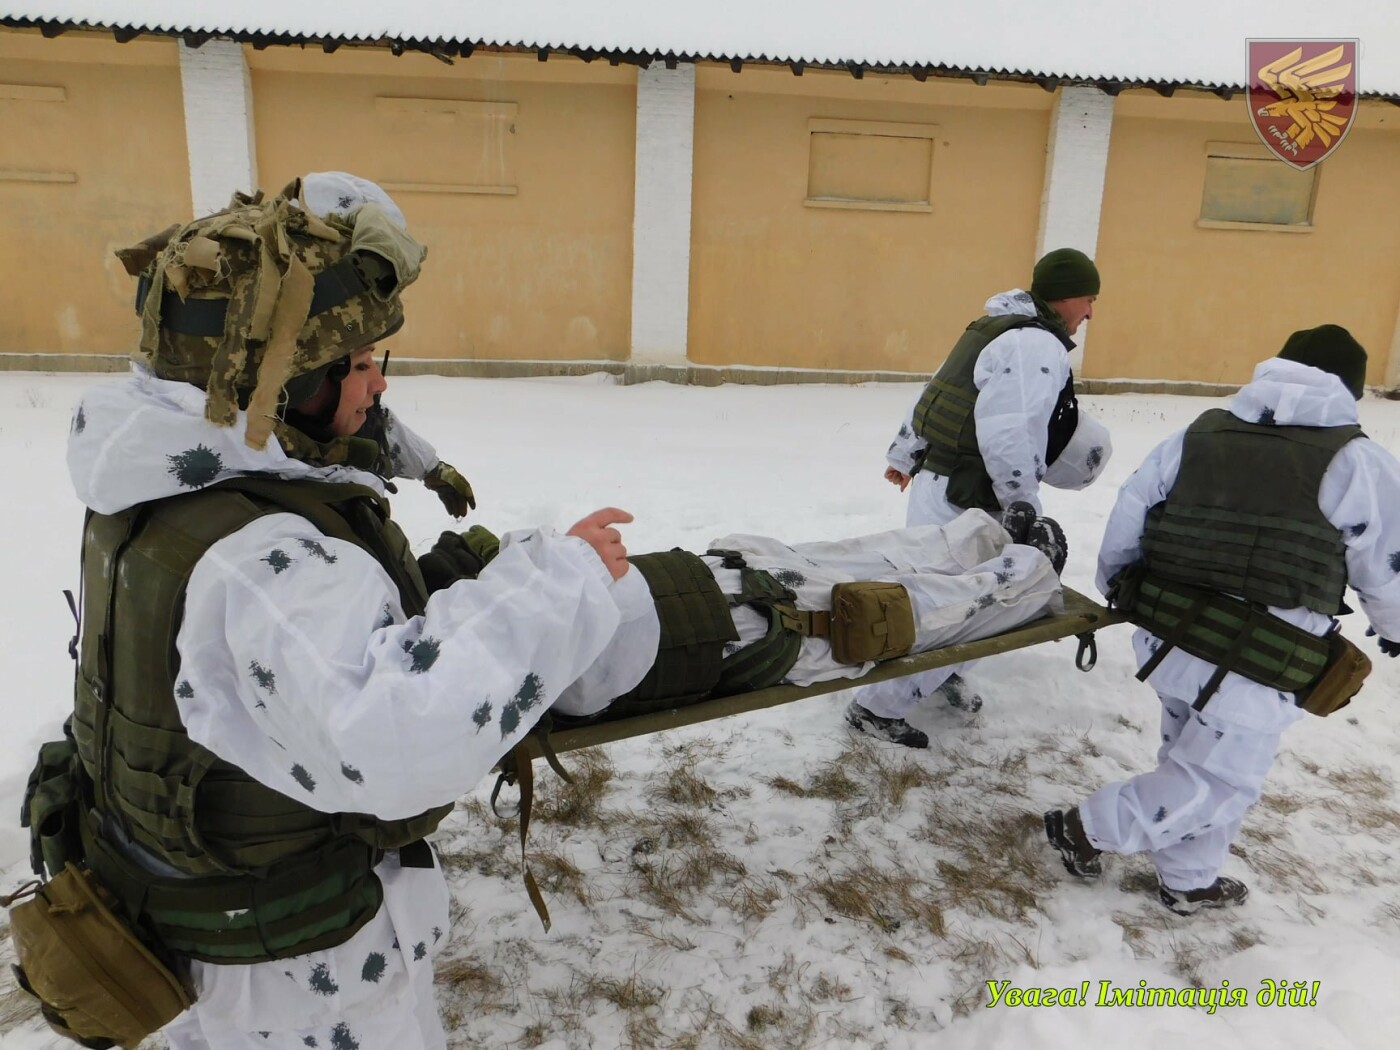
(253, 304)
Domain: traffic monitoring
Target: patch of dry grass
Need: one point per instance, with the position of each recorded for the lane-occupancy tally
(673, 879)
(785, 785)
(1367, 781)
(17, 1008)
(994, 861)
(580, 803)
(1364, 812)
(753, 899)
(1390, 912)
(832, 782)
(630, 993)
(682, 786)
(665, 939)
(556, 873)
(825, 989)
(886, 897)
(1242, 938)
(468, 987)
(1284, 869)
(1284, 803)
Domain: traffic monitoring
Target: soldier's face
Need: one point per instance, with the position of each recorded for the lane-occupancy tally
(1074, 312)
(358, 390)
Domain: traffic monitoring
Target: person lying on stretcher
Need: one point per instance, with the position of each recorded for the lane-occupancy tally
(752, 611)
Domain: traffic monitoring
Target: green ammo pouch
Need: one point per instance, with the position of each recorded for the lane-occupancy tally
(52, 807)
(96, 982)
(870, 620)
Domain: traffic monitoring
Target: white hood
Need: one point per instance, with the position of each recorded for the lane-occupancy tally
(1015, 301)
(1291, 394)
(140, 438)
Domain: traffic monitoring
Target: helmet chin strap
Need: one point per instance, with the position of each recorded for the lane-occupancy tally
(317, 425)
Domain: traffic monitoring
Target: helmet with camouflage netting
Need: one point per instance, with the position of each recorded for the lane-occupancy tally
(253, 304)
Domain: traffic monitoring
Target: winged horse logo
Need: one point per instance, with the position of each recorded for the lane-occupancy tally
(1302, 96)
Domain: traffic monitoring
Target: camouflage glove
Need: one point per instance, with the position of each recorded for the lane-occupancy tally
(450, 487)
(457, 556)
(482, 542)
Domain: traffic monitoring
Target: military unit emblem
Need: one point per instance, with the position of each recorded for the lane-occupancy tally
(1302, 96)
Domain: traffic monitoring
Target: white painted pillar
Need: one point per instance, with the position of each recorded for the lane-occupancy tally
(1075, 165)
(218, 122)
(661, 214)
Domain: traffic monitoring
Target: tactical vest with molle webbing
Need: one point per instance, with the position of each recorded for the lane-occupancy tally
(697, 626)
(944, 416)
(242, 872)
(1240, 531)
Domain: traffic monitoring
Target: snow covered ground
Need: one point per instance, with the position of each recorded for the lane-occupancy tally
(767, 881)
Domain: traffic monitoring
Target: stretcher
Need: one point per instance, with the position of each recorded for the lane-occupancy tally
(1082, 616)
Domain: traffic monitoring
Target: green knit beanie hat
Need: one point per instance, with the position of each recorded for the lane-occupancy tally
(1331, 348)
(1065, 273)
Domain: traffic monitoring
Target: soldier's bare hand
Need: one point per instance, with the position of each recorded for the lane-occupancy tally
(897, 477)
(596, 530)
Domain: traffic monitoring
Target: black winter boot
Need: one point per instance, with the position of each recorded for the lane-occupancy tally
(1046, 536)
(959, 694)
(1065, 831)
(895, 730)
(1026, 527)
(1224, 892)
(1017, 520)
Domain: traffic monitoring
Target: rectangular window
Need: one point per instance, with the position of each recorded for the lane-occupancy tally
(451, 145)
(1247, 187)
(875, 165)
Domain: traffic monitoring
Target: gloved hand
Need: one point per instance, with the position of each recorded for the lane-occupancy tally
(1385, 645)
(450, 487)
(458, 556)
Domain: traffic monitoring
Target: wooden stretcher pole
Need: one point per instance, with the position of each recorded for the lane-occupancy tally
(1082, 616)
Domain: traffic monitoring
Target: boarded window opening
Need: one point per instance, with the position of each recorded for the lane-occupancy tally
(458, 146)
(874, 165)
(1246, 186)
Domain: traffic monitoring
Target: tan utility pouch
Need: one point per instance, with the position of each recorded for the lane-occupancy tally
(1347, 667)
(870, 621)
(96, 982)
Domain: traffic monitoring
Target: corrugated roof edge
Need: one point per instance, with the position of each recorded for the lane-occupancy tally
(448, 50)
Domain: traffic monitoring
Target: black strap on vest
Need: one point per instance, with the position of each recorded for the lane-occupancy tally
(1064, 421)
(767, 661)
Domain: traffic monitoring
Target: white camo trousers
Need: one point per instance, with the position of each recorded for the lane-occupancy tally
(1211, 768)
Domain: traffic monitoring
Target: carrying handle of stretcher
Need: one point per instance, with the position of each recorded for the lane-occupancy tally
(1088, 653)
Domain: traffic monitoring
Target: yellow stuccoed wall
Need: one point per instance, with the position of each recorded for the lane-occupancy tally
(775, 282)
(1182, 302)
(543, 273)
(519, 176)
(92, 158)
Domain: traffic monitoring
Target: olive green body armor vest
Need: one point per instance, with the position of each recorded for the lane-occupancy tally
(694, 656)
(1242, 517)
(256, 875)
(944, 416)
